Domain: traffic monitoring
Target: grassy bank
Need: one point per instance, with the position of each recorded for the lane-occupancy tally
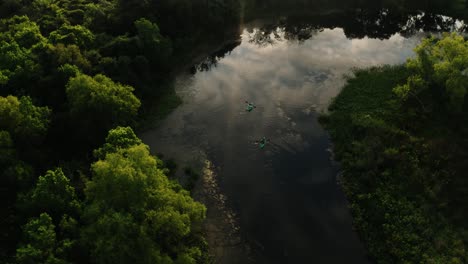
(397, 177)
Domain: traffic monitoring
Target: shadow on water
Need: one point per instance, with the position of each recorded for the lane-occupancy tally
(286, 199)
(356, 24)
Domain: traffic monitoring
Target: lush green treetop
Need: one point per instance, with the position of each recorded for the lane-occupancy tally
(40, 243)
(22, 119)
(15, 61)
(20, 30)
(54, 195)
(50, 53)
(118, 138)
(149, 39)
(440, 71)
(130, 192)
(100, 95)
(72, 35)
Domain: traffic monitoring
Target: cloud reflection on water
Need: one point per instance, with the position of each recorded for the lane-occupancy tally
(292, 183)
(298, 73)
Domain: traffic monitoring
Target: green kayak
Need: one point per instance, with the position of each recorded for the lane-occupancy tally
(250, 107)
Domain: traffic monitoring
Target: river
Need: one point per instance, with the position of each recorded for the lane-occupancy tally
(283, 201)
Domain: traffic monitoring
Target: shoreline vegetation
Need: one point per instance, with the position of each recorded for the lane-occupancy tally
(400, 134)
(159, 106)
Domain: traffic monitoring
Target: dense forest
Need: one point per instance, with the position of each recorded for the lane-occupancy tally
(77, 77)
(78, 186)
(401, 134)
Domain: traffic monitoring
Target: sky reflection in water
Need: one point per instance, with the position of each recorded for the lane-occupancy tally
(300, 73)
(287, 200)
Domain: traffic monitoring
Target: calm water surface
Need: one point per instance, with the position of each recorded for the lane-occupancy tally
(289, 206)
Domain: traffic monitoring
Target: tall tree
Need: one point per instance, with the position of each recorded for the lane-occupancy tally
(101, 99)
(440, 73)
(40, 243)
(154, 46)
(53, 195)
(26, 123)
(130, 199)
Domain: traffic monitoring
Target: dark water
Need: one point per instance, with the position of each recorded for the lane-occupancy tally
(289, 206)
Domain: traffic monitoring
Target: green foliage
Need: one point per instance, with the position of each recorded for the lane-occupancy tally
(49, 49)
(22, 119)
(54, 195)
(21, 30)
(69, 226)
(440, 71)
(15, 63)
(395, 177)
(100, 16)
(99, 95)
(40, 243)
(121, 45)
(132, 200)
(72, 35)
(61, 54)
(149, 39)
(67, 71)
(118, 138)
(110, 230)
(414, 86)
(47, 13)
(7, 150)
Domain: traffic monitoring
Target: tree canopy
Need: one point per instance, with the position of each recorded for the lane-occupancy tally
(54, 195)
(40, 243)
(22, 119)
(130, 193)
(440, 71)
(100, 95)
(400, 135)
(71, 70)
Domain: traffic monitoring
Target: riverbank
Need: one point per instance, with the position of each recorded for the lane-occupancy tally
(220, 227)
(396, 171)
(160, 105)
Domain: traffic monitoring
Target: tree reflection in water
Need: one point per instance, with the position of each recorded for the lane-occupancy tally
(356, 24)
